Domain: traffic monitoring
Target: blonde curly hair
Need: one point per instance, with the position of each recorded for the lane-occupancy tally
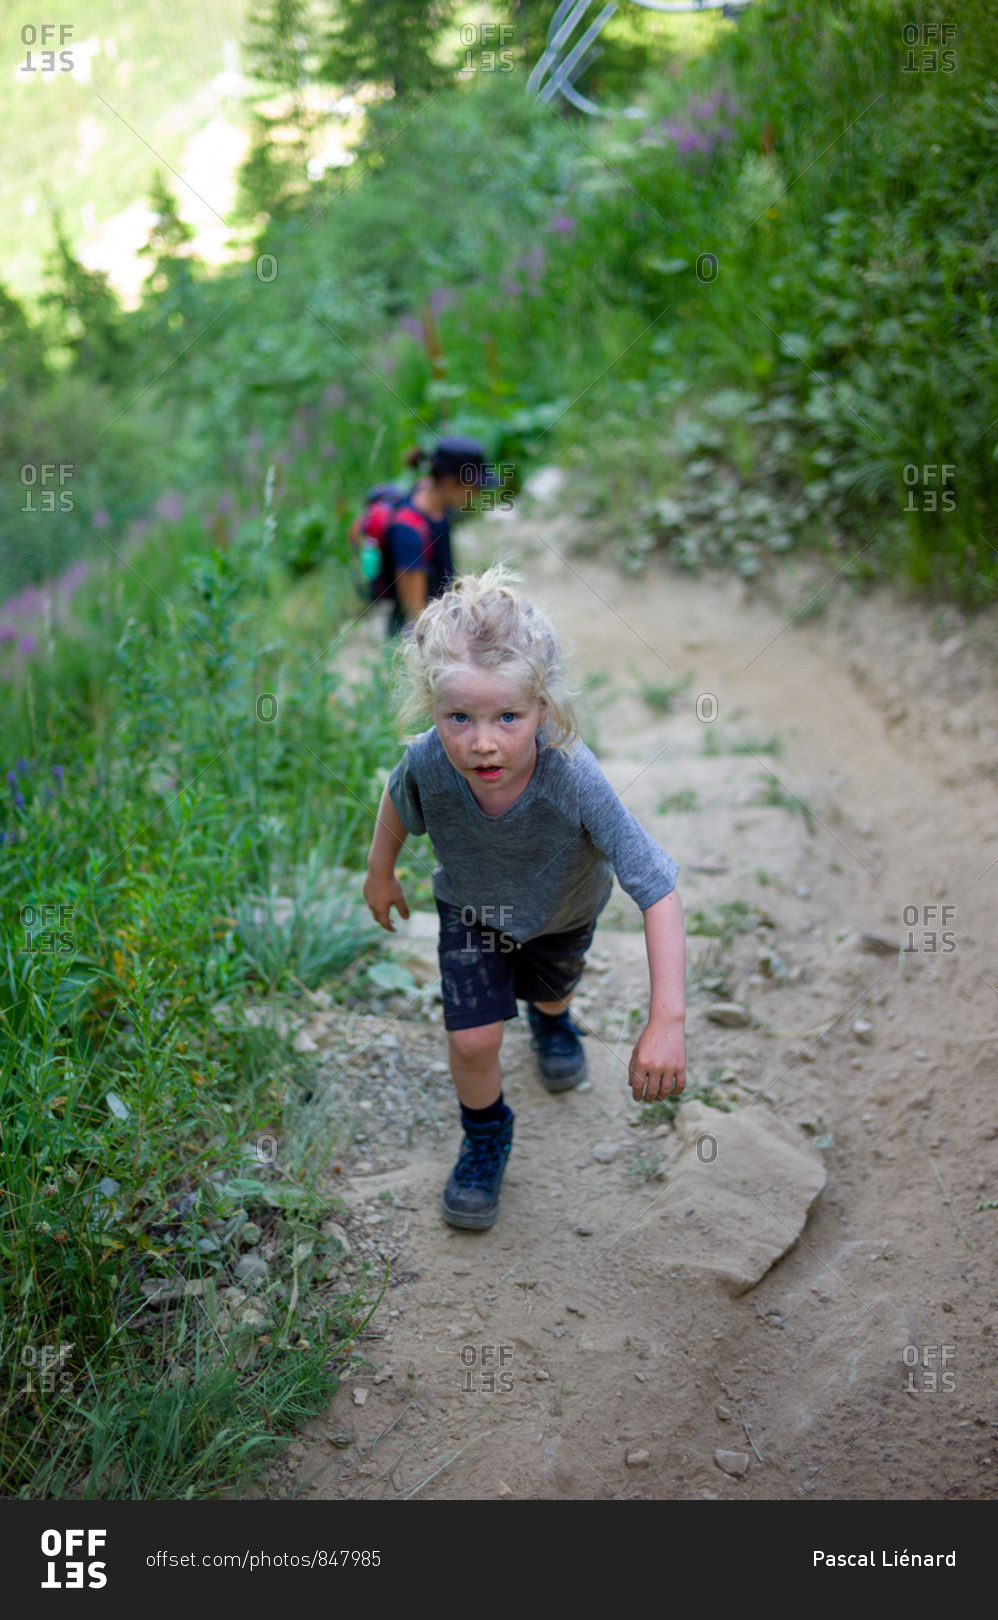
(483, 621)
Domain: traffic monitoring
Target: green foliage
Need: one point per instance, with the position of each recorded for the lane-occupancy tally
(774, 793)
(282, 50)
(393, 41)
(724, 921)
(681, 802)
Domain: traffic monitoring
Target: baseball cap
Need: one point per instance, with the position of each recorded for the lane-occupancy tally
(465, 458)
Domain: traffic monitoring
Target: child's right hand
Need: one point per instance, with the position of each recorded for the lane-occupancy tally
(381, 893)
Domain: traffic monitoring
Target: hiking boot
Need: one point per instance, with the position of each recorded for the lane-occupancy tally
(471, 1196)
(559, 1048)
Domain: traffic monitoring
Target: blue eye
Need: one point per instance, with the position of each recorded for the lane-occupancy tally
(509, 715)
(459, 715)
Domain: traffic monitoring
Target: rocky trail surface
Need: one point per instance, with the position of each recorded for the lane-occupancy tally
(788, 1288)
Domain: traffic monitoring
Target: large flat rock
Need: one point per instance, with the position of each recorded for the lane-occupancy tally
(751, 1187)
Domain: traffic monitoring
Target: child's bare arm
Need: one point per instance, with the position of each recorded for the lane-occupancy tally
(658, 1062)
(382, 889)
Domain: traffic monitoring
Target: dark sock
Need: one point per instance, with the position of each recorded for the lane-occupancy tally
(493, 1115)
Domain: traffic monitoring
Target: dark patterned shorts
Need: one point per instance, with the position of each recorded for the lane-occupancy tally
(484, 972)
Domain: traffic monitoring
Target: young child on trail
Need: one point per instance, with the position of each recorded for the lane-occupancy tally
(417, 563)
(527, 832)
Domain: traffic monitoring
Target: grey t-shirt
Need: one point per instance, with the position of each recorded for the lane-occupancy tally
(547, 860)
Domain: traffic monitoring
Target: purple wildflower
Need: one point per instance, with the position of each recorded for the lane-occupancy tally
(254, 442)
(57, 773)
(512, 289)
(563, 224)
(226, 501)
(440, 299)
(27, 644)
(299, 435)
(334, 397)
(326, 451)
(410, 324)
(22, 767)
(101, 519)
(170, 507)
(7, 632)
(533, 263)
(12, 781)
(73, 577)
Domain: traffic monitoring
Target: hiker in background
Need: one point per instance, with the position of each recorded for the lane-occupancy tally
(404, 535)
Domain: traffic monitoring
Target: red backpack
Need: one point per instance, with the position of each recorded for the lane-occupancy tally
(385, 506)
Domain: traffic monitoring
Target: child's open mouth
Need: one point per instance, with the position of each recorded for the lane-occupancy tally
(488, 772)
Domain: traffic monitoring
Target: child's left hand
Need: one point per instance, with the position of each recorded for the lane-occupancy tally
(658, 1062)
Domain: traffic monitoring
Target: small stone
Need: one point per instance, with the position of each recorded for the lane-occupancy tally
(359, 1397)
(732, 1462)
(251, 1268)
(880, 945)
(583, 1231)
(386, 1372)
(605, 1152)
(642, 1378)
(504, 1489)
(575, 1309)
(638, 1459)
(863, 1030)
(252, 1317)
(542, 1376)
(729, 1013)
(922, 1057)
(304, 1043)
(584, 1085)
(802, 891)
(723, 1414)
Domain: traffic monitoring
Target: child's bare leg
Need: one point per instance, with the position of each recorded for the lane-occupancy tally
(474, 1064)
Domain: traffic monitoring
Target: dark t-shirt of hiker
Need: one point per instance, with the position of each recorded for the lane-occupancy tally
(406, 549)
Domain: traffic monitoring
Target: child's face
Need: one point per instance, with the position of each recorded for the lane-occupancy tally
(487, 724)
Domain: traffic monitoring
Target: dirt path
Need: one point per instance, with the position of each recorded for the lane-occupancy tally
(598, 1342)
